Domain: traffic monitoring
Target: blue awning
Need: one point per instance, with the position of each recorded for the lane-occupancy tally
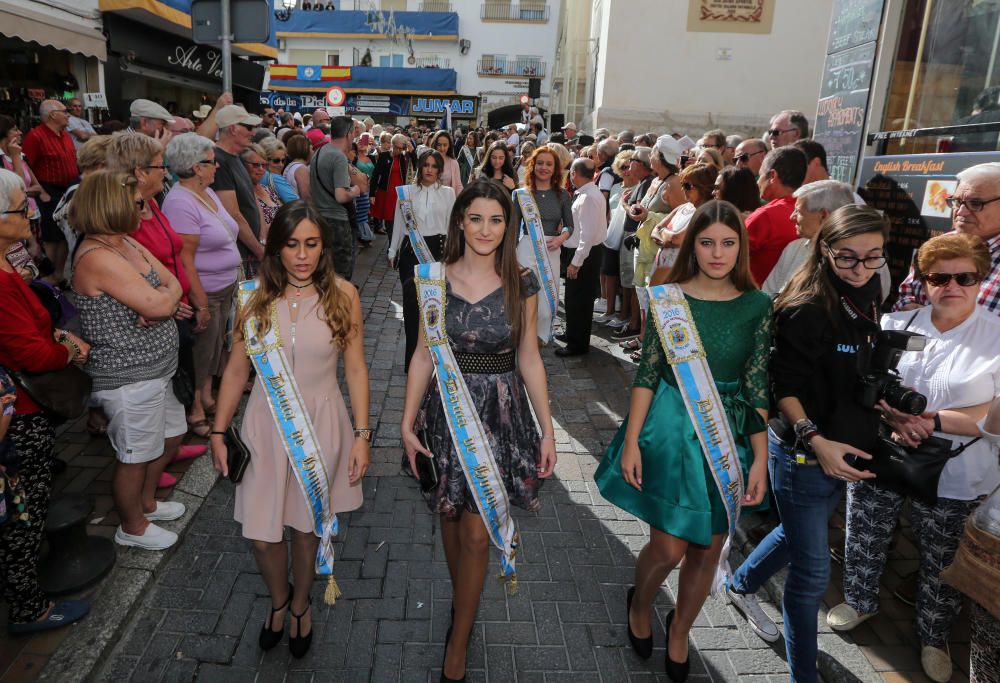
(382, 80)
(354, 24)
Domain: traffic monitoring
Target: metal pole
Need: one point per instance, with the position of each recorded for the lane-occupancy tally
(915, 79)
(227, 48)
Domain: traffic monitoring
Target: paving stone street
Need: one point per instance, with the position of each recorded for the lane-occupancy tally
(198, 615)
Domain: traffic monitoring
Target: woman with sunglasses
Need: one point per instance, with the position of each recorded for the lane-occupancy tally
(825, 322)
(277, 156)
(255, 160)
(959, 373)
(210, 258)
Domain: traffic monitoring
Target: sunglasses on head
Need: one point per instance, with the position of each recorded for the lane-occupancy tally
(962, 279)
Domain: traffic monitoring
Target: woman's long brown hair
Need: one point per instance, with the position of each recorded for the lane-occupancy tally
(505, 257)
(335, 305)
(712, 212)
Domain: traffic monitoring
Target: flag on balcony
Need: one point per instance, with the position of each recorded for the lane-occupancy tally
(309, 72)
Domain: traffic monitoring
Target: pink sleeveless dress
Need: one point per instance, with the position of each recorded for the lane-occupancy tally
(269, 498)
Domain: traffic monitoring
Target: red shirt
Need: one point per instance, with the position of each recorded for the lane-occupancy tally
(52, 156)
(157, 235)
(26, 342)
(770, 228)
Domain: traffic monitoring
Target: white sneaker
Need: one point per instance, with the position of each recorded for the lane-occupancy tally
(155, 538)
(936, 663)
(843, 617)
(602, 319)
(617, 324)
(166, 511)
(755, 615)
(600, 305)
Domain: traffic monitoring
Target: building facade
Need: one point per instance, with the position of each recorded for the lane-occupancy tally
(403, 59)
(690, 65)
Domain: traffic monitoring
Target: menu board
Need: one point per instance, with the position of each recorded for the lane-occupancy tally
(910, 189)
(840, 112)
(855, 22)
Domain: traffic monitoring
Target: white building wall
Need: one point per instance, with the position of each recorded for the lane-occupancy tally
(486, 38)
(653, 75)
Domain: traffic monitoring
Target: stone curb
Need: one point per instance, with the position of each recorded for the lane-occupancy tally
(87, 647)
(840, 660)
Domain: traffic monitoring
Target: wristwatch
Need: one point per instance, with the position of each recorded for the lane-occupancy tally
(365, 433)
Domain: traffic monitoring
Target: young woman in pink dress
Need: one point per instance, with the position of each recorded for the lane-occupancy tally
(318, 316)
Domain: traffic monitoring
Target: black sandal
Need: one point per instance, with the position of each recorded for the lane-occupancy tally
(268, 638)
(299, 645)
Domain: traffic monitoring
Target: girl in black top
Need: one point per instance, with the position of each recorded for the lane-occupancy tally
(826, 320)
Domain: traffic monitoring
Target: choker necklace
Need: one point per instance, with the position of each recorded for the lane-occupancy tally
(298, 295)
(292, 284)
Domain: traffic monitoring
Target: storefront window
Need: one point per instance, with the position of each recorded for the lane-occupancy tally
(947, 61)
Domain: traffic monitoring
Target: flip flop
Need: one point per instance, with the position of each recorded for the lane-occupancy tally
(200, 428)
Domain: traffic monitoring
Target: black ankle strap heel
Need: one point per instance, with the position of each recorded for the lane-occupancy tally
(268, 638)
(299, 645)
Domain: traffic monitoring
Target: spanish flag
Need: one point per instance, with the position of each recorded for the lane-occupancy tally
(301, 72)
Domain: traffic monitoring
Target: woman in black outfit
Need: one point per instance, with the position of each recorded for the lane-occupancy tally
(826, 321)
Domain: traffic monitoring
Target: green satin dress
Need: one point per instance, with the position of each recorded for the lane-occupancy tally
(679, 495)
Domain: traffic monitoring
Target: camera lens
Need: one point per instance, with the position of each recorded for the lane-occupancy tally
(904, 399)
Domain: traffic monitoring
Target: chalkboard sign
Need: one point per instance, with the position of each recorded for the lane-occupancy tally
(855, 22)
(910, 190)
(840, 112)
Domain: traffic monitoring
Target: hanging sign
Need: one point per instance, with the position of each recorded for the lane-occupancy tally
(336, 96)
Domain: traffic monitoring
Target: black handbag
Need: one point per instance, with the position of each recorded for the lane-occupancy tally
(237, 454)
(912, 472)
(182, 382)
(63, 394)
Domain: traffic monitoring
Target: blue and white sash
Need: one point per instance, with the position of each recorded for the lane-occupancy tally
(296, 429)
(686, 357)
(417, 241)
(467, 433)
(535, 255)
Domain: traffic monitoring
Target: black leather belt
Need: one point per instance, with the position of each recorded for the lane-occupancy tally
(485, 363)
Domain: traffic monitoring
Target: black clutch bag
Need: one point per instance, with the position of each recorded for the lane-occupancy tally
(427, 470)
(237, 454)
(913, 472)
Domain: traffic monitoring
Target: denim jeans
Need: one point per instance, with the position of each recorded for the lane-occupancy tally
(806, 498)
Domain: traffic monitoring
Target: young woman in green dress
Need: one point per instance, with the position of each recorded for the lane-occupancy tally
(655, 467)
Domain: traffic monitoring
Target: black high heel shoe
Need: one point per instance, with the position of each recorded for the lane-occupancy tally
(447, 641)
(676, 671)
(268, 638)
(642, 646)
(299, 645)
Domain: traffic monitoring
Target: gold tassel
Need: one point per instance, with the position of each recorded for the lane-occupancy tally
(509, 582)
(332, 591)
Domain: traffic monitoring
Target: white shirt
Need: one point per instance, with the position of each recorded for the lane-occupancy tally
(957, 369)
(793, 256)
(432, 209)
(76, 123)
(590, 222)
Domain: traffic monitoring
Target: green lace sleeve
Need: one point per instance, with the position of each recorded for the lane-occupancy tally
(755, 371)
(653, 362)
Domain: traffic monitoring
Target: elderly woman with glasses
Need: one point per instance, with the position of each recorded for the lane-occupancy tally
(959, 373)
(277, 156)
(268, 202)
(210, 257)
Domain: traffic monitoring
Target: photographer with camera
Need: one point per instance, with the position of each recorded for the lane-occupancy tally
(825, 325)
(959, 373)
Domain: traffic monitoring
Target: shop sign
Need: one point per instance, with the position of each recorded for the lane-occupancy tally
(292, 103)
(731, 16)
(842, 108)
(95, 100)
(910, 190)
(461, 107)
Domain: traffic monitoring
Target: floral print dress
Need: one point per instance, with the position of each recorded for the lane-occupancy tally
(502, 403)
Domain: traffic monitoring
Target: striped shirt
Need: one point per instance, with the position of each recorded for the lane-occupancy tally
(911, 290)
(52, 156)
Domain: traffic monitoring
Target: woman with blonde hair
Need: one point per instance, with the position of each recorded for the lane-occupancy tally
(316, 317)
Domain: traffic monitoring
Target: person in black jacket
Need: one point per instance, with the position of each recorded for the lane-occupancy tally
(826, 320)
(391, 171)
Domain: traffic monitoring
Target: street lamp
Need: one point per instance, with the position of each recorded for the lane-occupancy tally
(286, 13)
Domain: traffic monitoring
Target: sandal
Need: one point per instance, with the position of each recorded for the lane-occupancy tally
(200, 428)
(635, 356)
(631, 345)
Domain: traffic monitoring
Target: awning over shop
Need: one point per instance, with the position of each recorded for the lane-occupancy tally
(383, 80)
(355, 24)
(174, 16)
(58, 29)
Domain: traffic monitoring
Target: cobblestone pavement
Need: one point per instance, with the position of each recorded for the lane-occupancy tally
(201, 617)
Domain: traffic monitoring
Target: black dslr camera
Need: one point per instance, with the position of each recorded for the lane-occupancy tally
(881, 380)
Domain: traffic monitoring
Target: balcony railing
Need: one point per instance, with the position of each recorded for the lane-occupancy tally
(525, 12)
(511, 68)
(433, 6)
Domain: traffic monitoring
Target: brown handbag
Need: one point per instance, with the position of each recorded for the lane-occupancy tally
(63, 394)
(976, 568)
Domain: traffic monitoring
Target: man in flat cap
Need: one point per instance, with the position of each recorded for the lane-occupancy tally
(149, 118)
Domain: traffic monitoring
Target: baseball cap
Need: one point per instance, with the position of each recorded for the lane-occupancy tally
(317, 137)
(232, 114)
(569, 126)
(670, 149)
(148, 109)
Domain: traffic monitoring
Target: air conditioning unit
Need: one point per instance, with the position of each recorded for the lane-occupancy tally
(464, 46)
